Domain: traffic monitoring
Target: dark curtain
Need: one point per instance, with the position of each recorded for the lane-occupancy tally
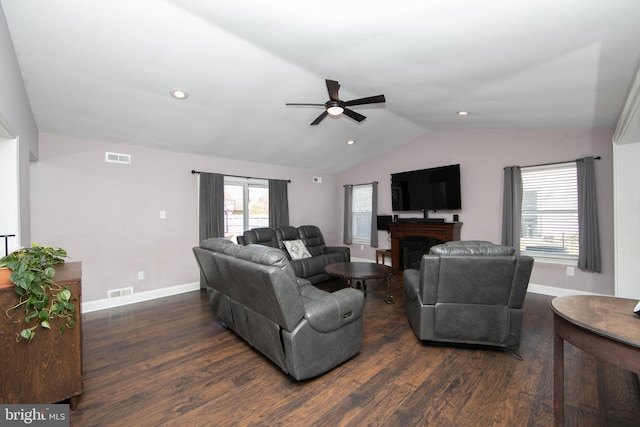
(374, 215)
(278, 203)
(211, 217)
(348, 192)
(512, 207)
(589, 243)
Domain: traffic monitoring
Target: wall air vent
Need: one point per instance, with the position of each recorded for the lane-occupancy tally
(123, 292)
(123, 159)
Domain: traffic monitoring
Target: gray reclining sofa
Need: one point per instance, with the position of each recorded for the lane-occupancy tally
(254, 292)
(320, 255)
(468, 292)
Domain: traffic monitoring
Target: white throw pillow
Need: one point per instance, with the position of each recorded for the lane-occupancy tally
(296, 249)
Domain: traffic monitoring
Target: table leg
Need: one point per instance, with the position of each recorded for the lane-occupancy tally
(558, 380)
(388, 298)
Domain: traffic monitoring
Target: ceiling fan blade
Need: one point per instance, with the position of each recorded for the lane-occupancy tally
(333, 87)
(368, 100)
(355, 116)
(319, 118)
(304, 105)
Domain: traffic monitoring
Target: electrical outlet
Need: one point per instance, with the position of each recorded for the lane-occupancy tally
(570, 271)
(163, 214)
(140, 275)
(362, 247)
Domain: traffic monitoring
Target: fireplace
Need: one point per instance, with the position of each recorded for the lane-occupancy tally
(412, 239)
(412, 248)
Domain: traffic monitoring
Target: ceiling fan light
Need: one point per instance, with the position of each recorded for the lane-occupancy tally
(179, 94)
(335, 110)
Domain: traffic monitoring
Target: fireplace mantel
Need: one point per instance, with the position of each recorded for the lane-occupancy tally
(443, 231)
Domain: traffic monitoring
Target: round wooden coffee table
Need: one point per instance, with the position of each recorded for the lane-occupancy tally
(361, 272)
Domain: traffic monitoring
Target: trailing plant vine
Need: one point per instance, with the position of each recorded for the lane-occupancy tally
(41, 299)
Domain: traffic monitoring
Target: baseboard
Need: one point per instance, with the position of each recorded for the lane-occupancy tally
(556, 292)
(102, 304)
(356, 259)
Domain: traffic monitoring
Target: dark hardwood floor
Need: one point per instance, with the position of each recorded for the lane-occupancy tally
(167, 362)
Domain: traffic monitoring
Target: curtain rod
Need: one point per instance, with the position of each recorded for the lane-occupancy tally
(234, 176)
(364, 183)
(555, 163)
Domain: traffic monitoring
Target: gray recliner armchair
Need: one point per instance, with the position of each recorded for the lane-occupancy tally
(468, 292)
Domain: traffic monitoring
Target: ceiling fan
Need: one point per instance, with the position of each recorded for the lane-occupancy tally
(335, 106)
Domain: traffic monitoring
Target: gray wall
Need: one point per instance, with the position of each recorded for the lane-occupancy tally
(108, 215)
(17, 118)
(482, 156)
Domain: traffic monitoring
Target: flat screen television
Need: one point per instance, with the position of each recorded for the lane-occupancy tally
(430, 189)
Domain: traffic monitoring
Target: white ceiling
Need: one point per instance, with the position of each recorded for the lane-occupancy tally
(103, 70)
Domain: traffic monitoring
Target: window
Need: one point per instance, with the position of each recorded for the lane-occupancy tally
(361, 204)
(550, 211)
(246, 205)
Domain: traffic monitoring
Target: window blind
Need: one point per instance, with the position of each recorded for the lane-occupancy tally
(361, 212)
(550, 211)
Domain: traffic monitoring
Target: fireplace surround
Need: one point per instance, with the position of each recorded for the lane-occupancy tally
(411, 239)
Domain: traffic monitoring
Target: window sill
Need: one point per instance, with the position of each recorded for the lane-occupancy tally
(552, 260)
(360, 241)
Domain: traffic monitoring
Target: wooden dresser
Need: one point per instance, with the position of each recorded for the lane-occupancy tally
(48, 369)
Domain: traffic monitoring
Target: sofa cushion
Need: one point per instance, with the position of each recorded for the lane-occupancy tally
(296, 249)
(260, 236)
(215, 244)
(471, 247)
(313, 239)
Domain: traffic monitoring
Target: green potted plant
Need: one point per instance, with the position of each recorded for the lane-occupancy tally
(40, 299)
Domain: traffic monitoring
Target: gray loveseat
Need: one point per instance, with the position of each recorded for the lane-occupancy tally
(468, 292)
(320, 255)
(253, 291)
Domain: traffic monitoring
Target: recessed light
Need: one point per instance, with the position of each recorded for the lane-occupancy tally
(462, 113)
(350, 142)
(179, 94)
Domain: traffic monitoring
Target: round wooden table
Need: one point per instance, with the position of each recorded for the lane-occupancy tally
(361, 272)
(605, 327)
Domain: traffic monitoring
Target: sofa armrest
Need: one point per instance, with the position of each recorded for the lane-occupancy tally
(302, 282)
(411, 282)
(335, 310)
(339, 249)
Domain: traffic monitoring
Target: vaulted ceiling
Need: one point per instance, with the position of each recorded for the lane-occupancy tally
(103, 70)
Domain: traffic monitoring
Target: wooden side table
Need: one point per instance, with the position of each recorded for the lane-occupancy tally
(382, 254)
(605, 327)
